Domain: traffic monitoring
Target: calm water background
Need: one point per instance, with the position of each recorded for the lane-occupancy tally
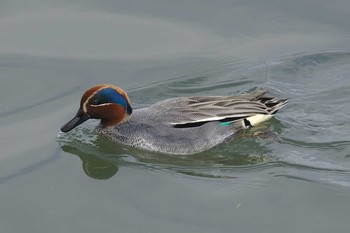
(295, 177)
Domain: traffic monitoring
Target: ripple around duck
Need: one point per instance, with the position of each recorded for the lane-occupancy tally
(336, 145)
(311, 131)
(200, 78)
(243, 154)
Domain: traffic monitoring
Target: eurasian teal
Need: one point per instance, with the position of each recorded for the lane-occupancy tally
(183, 125)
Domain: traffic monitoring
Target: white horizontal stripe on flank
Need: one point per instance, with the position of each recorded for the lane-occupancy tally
(208, 119)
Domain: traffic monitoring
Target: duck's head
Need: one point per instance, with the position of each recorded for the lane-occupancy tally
(106, 102)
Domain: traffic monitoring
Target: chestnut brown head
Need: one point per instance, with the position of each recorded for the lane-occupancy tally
(106, 102)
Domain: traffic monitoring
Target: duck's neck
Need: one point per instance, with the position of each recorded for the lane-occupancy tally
(109, 122)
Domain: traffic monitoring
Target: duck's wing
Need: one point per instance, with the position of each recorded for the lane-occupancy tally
(195, 111)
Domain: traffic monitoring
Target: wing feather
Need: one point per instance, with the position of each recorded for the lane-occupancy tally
(191, 110)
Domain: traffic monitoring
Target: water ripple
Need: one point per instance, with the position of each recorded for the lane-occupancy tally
(312, 141)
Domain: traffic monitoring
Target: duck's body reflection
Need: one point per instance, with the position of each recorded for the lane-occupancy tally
(102, 160)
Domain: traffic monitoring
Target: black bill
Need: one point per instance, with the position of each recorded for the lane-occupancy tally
(79, 118)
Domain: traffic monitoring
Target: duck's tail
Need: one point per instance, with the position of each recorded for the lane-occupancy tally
(272, 106)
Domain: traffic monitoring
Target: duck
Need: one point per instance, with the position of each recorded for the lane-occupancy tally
(180, 125)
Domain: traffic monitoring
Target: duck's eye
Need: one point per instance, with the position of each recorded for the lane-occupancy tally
(95, 102)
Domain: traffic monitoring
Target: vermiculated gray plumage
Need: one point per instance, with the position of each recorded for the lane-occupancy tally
(187, 125)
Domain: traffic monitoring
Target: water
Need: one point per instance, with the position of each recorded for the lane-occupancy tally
(292, 176)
